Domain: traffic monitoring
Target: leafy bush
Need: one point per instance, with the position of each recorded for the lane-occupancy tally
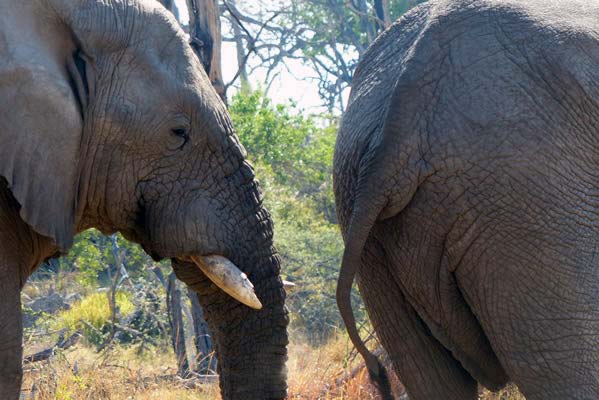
(92, 258)
(95, 310)
(293, 157)
(298, 149)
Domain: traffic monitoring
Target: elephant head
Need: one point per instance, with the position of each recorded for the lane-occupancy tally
(121, 130)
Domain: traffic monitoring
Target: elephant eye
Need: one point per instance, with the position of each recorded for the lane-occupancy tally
(181, 133)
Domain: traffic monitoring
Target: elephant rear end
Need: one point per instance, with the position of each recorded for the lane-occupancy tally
(469, 140)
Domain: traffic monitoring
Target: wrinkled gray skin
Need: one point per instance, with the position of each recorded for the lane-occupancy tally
(467, 186)
(90, 93)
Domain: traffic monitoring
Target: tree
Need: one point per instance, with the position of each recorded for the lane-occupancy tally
(204, 31)
(239, 46)
(171, 6)
(176, 324)
(329, 36)
(205, 36)
(205, 363)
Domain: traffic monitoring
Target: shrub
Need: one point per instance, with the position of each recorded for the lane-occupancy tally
(293, 157)
(95, 310)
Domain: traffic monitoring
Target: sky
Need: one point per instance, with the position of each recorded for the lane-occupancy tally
(295, 86)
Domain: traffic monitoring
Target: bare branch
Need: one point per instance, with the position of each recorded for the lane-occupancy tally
(251, 42)
(62, 344)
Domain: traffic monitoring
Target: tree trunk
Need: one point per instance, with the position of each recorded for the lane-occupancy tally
(204, 29)
(168, 4)
(175, 317)
(205, 363)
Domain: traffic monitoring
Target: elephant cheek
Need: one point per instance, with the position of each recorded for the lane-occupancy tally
(186, 228)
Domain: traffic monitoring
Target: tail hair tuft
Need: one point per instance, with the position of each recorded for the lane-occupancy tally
(380, 379)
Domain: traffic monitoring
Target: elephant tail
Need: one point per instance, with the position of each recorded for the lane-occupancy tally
(366, 211)
(361, 222)
(382, 192)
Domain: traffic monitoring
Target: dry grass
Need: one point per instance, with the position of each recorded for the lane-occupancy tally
(509, 393)
(125, 373)
(117, 374)
(314, 373)
(322, 372)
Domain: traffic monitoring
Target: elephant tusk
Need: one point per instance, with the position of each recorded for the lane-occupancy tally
(224, 274)
(289, 286)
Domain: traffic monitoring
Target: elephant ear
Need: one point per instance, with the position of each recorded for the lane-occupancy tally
(103, 27)
(42, 101)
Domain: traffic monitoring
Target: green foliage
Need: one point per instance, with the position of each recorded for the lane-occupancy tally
(397, 8)
(95, 310)
(93, 258)
(299, 151)
(334, 23)
(88, 255)
(293, 157)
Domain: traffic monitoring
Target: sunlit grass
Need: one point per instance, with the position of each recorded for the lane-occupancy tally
(94, 309)
(135, 373)
(117, 374)
(509, 393)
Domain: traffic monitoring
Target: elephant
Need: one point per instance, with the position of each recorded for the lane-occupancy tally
(108, 120)
(466, 185)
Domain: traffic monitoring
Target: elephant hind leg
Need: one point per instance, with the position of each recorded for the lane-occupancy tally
(11, 347)
(544, 324)
(415, 245)
(425, 367)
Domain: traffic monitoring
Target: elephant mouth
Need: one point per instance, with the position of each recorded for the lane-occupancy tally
(228, 277)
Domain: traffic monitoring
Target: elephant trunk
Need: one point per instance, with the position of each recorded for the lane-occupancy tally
(251, 345)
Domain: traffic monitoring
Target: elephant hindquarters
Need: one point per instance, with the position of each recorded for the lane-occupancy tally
(415, 246)
(536, 299)
(424, 366)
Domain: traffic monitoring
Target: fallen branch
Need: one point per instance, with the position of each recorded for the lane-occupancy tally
(133, 332)
(62, 344)
(189, 383)
(91, 327)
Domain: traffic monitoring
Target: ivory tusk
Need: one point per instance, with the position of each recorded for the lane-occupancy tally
(229, 278)
(289, 286)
